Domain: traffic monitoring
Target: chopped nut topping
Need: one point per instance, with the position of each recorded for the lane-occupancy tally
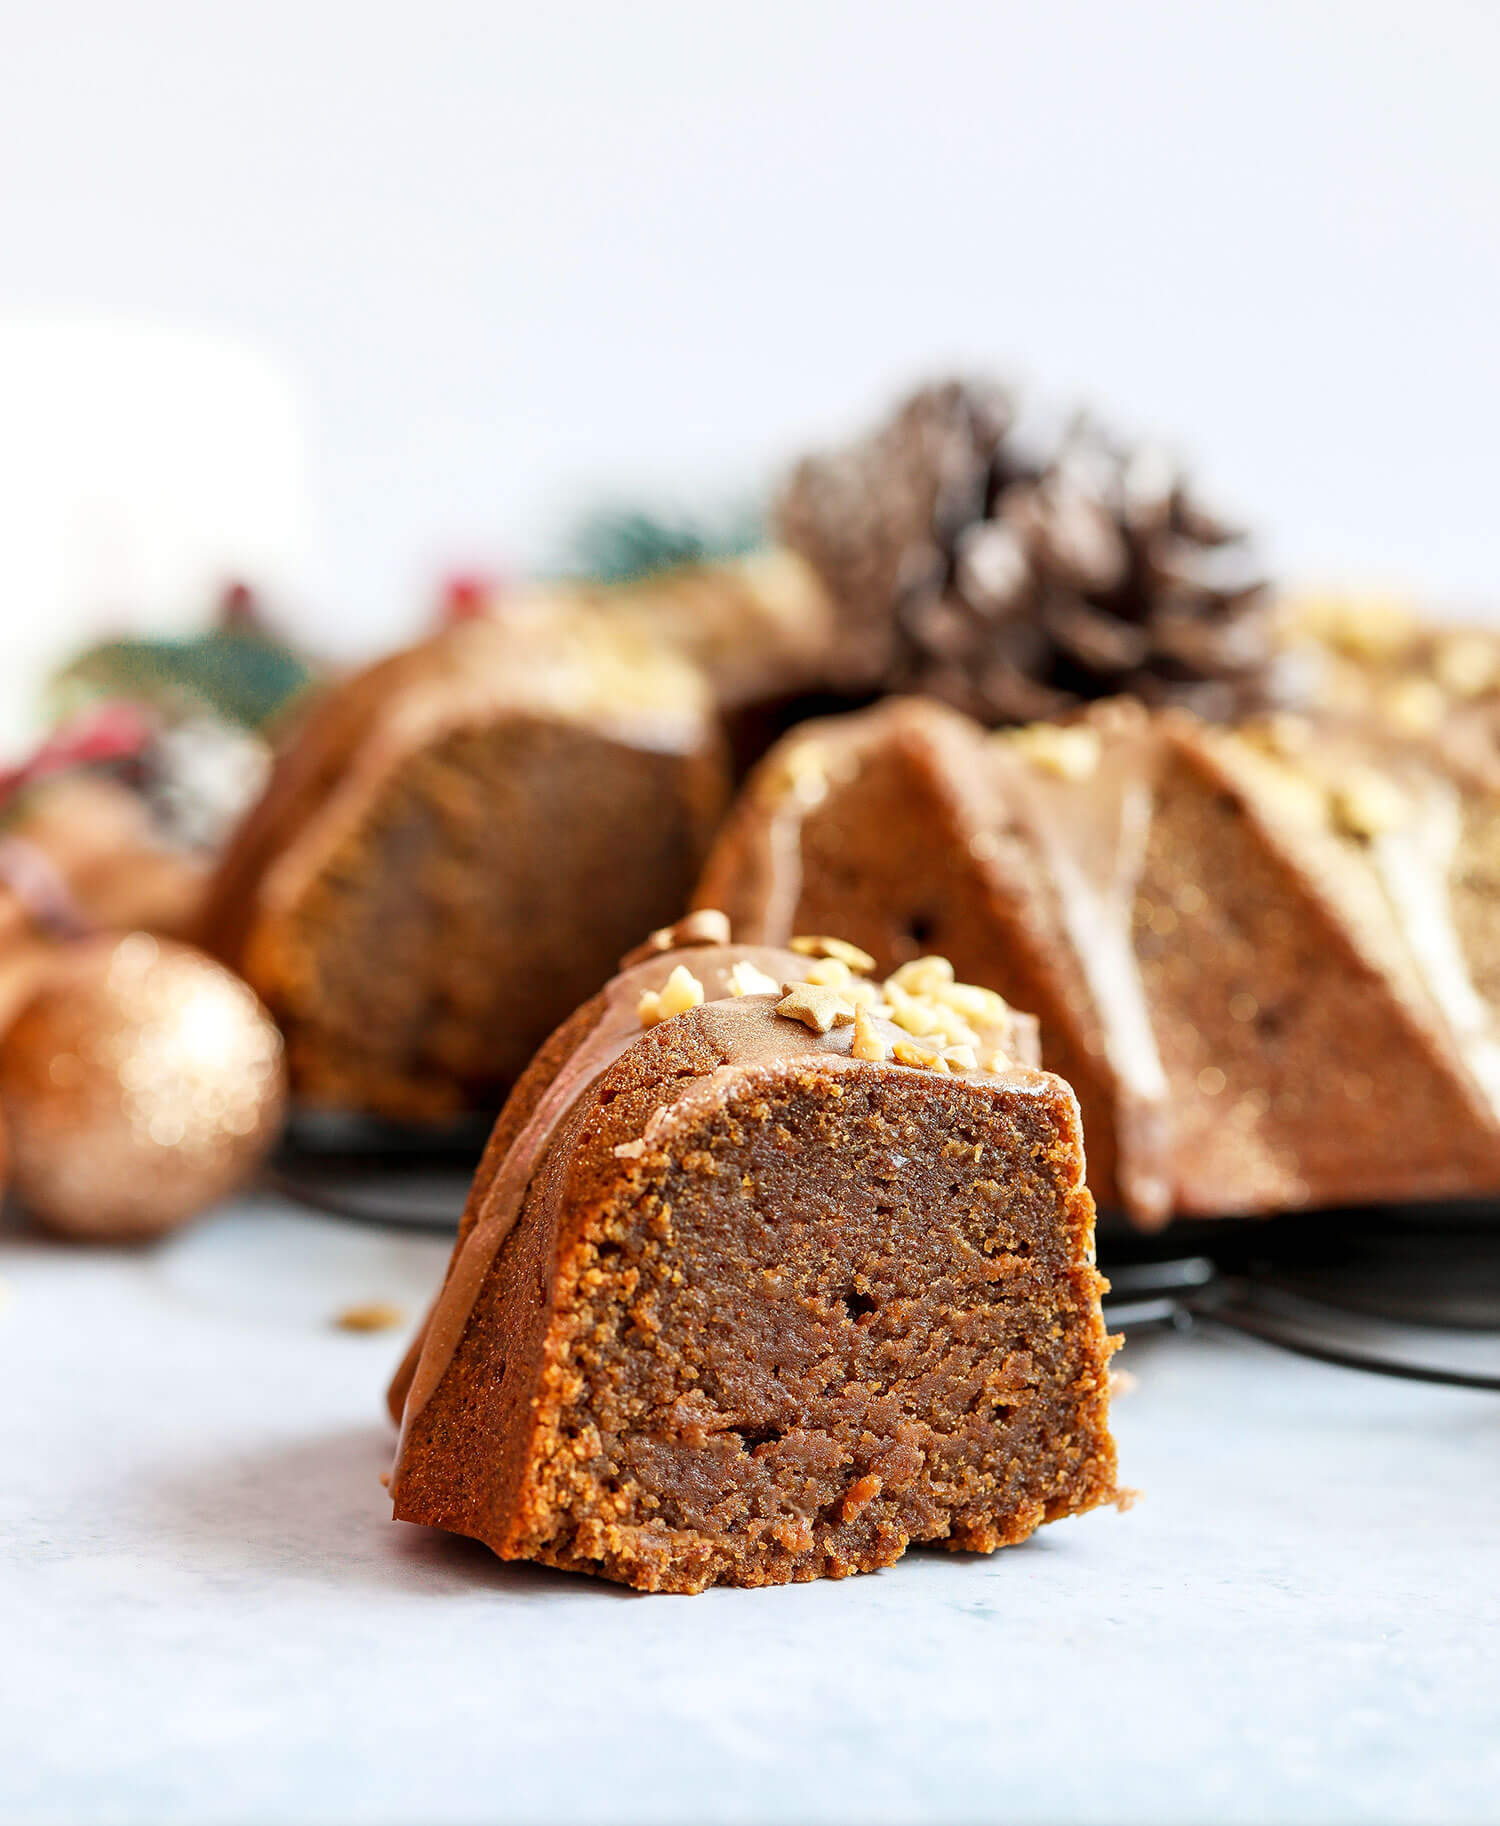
(1415, 706)
(1069, 750)
(923, 975)
(708, 926)
(915, 1013)
(946, 1026)
(680, 992)
(803, 774)
(1365, 627)
(925, 1015)
(1466, 663)
(984, 1006)
(1367, 804)
(862, 993)
(835, 948)
(869, 1042)
(746, 979)
(630, 1150)
(830, 972)
(944, 1059)
(815, 1006)
(1288, 735)
(1287, 790)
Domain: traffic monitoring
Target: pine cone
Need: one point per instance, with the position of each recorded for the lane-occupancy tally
(1015, 573)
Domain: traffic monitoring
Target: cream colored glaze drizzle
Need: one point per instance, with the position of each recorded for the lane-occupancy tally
(1096, 872)
(619, 1025)
(804, 793)
(800, 784)
(1414, 863)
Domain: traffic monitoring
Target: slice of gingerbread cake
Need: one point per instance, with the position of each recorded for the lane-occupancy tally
(454, 849)
(771, 1271)
(1016, 856)
(1262, 957)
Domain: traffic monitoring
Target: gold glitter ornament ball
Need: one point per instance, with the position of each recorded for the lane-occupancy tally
(142, 1083)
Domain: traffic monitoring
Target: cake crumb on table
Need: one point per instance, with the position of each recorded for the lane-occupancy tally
(370, 1315)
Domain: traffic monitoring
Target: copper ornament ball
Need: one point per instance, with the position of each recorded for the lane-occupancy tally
(141, 1084)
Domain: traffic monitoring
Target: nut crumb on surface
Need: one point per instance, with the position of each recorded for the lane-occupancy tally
(830, 973)
(370, 1315)
(746, 979)
(1289, 735)
(869, 1043)
(677, 995)
(1415, 706)
(922, 976)
(815, 1006)
(1282, 785)
(836, 948)
(1466, 664)
(912, 1052)
(630, 1150)
(1368, 627)
(1367, 804)
(1067, 750)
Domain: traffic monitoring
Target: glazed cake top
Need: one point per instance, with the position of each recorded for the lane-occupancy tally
(759, 1007)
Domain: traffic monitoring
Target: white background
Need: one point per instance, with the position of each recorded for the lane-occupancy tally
(515, 257)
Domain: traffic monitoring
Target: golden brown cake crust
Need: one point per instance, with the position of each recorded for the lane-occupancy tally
(770, 1312)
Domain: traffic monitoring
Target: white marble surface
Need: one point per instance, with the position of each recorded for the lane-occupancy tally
(208, 1617)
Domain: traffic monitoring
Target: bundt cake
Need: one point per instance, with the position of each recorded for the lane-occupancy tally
(769, 1271)
(456, 845)
(1266, 959)
(462, 838)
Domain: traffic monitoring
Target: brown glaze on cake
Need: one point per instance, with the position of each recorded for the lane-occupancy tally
(455, 847)
(908, 831)
(1261, 957)
(741, 1301)
(1313, 1007)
